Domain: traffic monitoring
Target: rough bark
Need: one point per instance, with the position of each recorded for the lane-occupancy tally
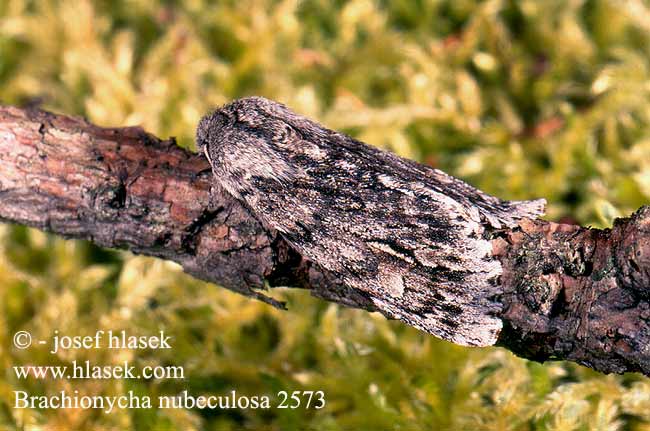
(578, 294)
(568, 292)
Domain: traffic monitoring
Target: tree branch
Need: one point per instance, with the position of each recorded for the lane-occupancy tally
(567, 292)
(578, 294)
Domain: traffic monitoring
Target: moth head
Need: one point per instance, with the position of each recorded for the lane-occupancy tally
(244, 142)
(252, 113)
(210, 130)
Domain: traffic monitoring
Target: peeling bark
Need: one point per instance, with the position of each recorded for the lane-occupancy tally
(567, 292)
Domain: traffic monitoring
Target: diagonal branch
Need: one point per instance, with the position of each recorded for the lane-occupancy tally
(567, 292)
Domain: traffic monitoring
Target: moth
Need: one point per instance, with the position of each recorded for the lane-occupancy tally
(410, 238)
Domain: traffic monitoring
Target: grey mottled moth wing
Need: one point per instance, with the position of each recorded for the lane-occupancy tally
(407, 236)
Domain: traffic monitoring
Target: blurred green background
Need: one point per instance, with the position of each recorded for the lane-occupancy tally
(522, 99)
